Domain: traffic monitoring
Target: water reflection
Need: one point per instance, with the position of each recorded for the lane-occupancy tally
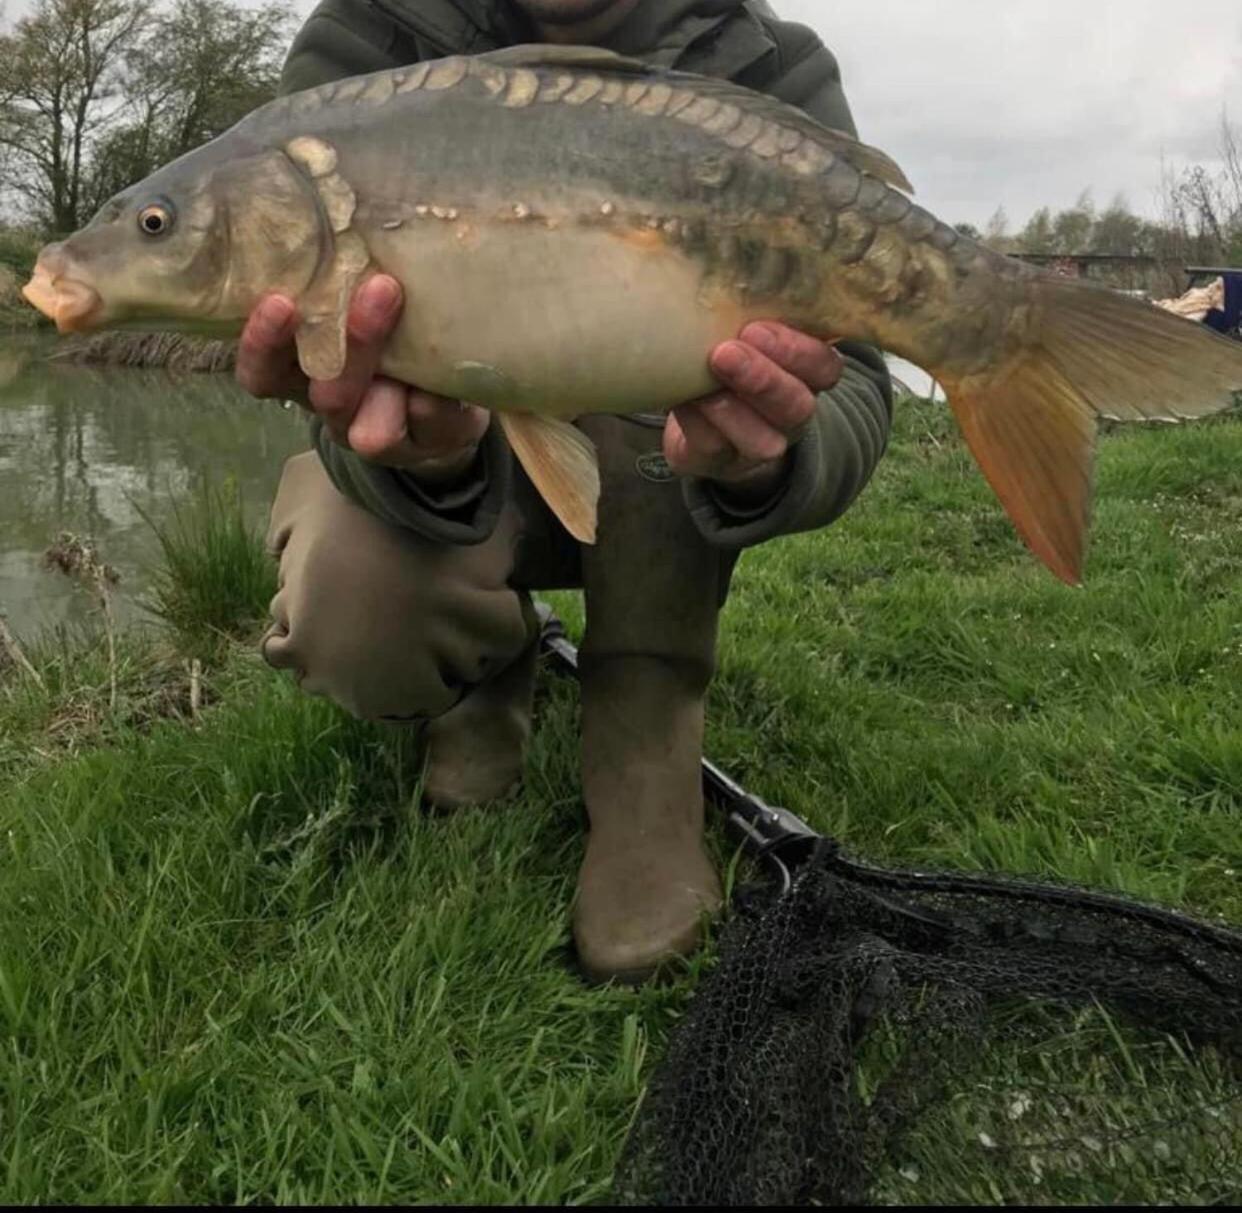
(85, 450)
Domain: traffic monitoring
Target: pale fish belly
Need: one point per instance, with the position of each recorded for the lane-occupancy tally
(523, 317)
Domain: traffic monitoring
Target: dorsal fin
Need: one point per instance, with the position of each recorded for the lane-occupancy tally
(862, 156)
(865, 159)
(542, 54)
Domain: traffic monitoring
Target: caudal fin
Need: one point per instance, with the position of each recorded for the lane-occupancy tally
(1030, 423)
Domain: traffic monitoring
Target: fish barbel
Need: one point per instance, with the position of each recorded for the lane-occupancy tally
(575, 231)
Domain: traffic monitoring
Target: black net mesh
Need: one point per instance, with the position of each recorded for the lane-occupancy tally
(886, 1037)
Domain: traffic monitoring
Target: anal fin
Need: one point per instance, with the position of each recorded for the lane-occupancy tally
(1034, 441)
(560, 461)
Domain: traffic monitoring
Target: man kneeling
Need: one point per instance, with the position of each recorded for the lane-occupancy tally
(409, 541)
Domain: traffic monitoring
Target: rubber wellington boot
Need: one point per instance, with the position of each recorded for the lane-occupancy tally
(476, 750)
(653, 588)
(646, 884)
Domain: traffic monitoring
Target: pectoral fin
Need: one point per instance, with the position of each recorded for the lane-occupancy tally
(324, 307)
(321, 346)
(560, 461)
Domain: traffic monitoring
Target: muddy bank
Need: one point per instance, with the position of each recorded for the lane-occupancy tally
(165, 351)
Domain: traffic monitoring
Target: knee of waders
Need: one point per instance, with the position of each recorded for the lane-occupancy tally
(388, 625)
(353, 627)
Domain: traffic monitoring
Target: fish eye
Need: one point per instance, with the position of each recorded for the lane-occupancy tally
(155, 218)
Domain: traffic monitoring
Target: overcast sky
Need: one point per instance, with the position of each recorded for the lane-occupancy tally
(1022, 103)
(1028, 102)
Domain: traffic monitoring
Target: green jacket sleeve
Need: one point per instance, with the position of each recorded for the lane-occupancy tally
(828, 466)
(464, 512)
(340, 38)
(836, 457)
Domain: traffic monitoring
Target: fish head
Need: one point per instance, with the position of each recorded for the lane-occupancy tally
(193, 246)
(148, 253)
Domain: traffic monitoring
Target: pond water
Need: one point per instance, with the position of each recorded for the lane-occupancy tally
(88, 451)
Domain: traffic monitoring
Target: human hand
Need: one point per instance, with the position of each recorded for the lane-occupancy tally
(386, 422)
(740, 436)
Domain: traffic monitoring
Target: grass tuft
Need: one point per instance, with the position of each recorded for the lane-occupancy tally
(216, 578)
(18, 249)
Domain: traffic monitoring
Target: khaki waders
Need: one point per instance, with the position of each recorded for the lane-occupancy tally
(397, 628)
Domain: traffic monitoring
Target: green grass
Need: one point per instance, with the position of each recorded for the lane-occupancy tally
(237, 966)
(18, 249)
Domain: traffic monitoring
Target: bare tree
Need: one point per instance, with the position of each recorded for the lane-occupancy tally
(1231, 157)
(205, 65)
(60, 78)
(96, 94)
(996, 232)
(1203, 206)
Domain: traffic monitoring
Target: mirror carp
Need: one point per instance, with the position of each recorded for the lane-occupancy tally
(575, 231)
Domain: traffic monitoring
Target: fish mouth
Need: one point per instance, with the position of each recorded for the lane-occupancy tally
(71, 303)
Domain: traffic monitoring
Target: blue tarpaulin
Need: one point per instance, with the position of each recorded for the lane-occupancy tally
(1229, 320)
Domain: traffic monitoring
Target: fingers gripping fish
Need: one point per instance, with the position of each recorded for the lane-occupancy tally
(575, 231)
